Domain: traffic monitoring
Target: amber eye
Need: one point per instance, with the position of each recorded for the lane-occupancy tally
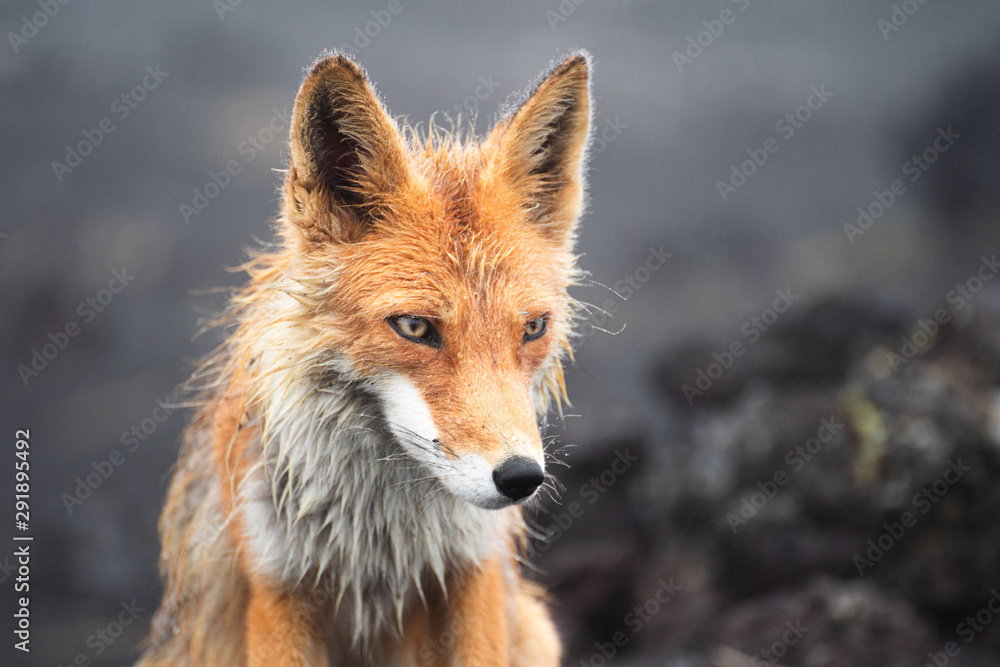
(416, 329)
(535, 328)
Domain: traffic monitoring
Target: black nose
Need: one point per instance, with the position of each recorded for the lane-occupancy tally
(518, 477)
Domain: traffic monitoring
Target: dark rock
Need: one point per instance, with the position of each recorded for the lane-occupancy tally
(843, 472)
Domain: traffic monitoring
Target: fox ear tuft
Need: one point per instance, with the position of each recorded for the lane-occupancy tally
(345, 153)
(540, 147)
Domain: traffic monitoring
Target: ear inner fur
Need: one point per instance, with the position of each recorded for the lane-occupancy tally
(346, 152)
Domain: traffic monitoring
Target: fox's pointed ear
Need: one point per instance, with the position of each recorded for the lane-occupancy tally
(540, 147)
(346, 153)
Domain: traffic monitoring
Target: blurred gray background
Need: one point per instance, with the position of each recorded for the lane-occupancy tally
(669, 130)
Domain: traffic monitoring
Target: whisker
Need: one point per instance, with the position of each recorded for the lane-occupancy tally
(587, 309)
(600, 284)
(613, 333)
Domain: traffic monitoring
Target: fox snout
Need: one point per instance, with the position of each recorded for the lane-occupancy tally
(489, 455)
(503, 466)
(518, 477)
(512, 480)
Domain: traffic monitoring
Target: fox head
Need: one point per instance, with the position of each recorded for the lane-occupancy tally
(437, 267)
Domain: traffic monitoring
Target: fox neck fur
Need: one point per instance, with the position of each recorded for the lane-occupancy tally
(332, 500)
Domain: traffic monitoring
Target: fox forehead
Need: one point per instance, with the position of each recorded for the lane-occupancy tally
(447, 281)
(438, 256)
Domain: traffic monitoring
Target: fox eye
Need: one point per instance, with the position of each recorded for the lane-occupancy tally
(535, 328)
(416, 329)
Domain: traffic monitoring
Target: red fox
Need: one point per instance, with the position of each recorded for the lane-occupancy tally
(349, 491)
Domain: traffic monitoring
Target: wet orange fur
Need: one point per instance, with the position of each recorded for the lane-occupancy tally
(477, 237)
